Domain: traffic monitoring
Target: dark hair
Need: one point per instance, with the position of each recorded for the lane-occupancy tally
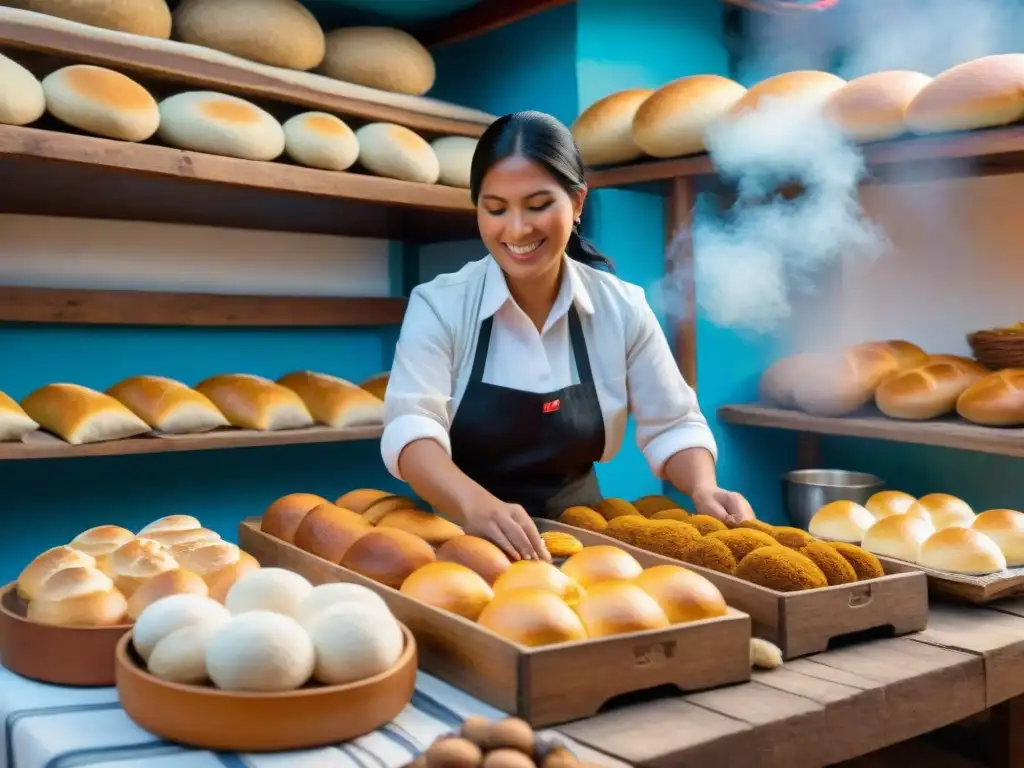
(544, 140)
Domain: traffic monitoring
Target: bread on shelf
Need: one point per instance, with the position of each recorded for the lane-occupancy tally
(253, 402)
(433, 529)
(328, 531)
(320, 140)
(885, 503)
(904, 354)
(47, 563)
(102, 102)
(961, 550)
(385, 58)
(283, 518)
(898, 536)
(334, 402)
(167, 405)
(78, 597)
(1006, 528)
(455, 159)
(842, 520)
(873, 107)
(841, 384)
(23, 101)
(80, 415)
(997, 400)
(219, 124)
(927, 391)
(980, 93)
(673, 120)
(396, 152)
(944, 510)
(14, 422)
(149, 18)
(377, 384)
(604, 130)
(803, 88)
(780, 378)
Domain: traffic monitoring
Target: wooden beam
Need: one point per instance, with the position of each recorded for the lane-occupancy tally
(481, 18)
(679, 266)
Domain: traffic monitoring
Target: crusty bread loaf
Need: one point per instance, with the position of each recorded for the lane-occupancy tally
(387, 555)
(777, 382)
(194, 537)
(997, 400)
(873, 107)
(168, 405)
(841, 384)
(48, 563)
(283, 518)
(253, 402)
(170, 523)
(219, 124)
(21, 95)
(372, 505)
(980, 93)
(962, 550)
(433, 529)
(806, 88)
(14, 422)
(281, 33)
(968, 362)
(334, 402)
(925, 392)
(101, 542)
(477, 554)
(176, 582)
(220, 565)
(134, 563)
(81, 415)
(394, 151)
(904, 353)
(532, 617)
(320, 140)
(79, 597)
(604, 130)
(673, 120)
(454, 159)
(101, 101)
(328, 531)
(149, 18)
(380, 57)
(841, 521)
(377, 384)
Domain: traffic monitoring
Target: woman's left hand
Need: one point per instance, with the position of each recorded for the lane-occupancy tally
(727, 506)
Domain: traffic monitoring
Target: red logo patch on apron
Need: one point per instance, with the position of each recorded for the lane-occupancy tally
(552, 406)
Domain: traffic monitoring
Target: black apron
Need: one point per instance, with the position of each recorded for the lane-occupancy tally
(528, 448)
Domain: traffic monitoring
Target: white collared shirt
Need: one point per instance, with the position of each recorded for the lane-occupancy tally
(634, 370)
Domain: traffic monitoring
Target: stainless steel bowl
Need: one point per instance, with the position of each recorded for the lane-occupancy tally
(805, 491)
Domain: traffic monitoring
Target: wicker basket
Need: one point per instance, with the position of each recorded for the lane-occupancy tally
(999, 348)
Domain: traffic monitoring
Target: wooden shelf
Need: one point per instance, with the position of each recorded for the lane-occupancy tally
(40, 445)
(945, 433)
(62, 174)
(480, 19)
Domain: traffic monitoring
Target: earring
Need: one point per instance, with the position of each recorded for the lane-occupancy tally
(576, 223)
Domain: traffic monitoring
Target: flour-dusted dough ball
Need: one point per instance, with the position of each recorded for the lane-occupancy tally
(327, 596)
(454, 158)
(149, 18)
(320, 140)
(281, 33)
(220, 125)
(101, 101)
(172, 613)
(353, 642)
(21, 95)
(380, 57)
(268, 589)
(260, 651)
(180, 657)
(390, 150)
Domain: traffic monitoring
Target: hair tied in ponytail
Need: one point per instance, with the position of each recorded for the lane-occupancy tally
(580, 249)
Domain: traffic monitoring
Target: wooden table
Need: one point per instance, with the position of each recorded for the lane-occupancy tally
(838, 705)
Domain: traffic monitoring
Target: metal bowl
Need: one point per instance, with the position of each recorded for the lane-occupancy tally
(805, 491)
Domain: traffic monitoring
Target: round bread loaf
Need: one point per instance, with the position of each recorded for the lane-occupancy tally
(320, 140)
(843, 520)
(433, 529)
(805, 88)
(873, 107)
(149, 18)
(604, 130)
(450, 587)
(328, 531)
(672, 121)
(898, 536)
(945, 511)
(840, 384)
(682, 594)
(980, 93)
(601, 563)
(885, 503)
(44, 565)
(617, 607)
(281, 33)
(379, 57)
(926, 392)
(176, 582)
(477, 554)
(1006, 528)
(996, 400)
(388, 556)
(390, 150)
(21, 96)
(455, 159)
(532, 617)
(537, 574)
(360, 500)
(101, 101)
(962, 550)
(78, 597)
(220, 125)
(283, 517)
(101, 542)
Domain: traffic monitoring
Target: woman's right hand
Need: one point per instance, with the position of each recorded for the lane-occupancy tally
(508, 526)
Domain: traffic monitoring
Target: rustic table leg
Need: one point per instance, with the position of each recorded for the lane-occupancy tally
(1006, 734)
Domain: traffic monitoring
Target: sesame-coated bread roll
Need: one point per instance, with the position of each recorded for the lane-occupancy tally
(21, 95)
(253, 402)
(980, 93)
(996, 400)
(101, 101)
(334, 402)
(219, 124)
(81, 415)
(149, 18)
(379, 57)
(394, 151)
(604, 130)
(14, 422)
(168, 405)
(320, 140)
(672, 122)
(873, 107)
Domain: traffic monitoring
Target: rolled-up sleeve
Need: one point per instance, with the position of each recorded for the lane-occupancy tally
(664, 406)
(418, 398)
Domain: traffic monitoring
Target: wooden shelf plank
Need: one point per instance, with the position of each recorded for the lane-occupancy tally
(945, 433)
(64, 174)
(481, 18)
(40, 445)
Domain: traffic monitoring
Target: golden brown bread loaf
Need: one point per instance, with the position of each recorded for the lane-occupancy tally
(328, 531)
(14, 422)
(532, 617)
(927, 391)
(81, 415)
(283, 518)
(980, 93)
(672, 121)
(373, 505)
(168, 405)
(253, 402)
(379, 57)
(450, 587)
(617, 607)
(334, 402)
(149, 18)
(48, 563)
(78, 597)
(477, 554)
(134, 563)
(873, 107)
(904, 353)
(220, 565)
(997, 400)
(604, 130)
(171, 523)
(433, 529)
(682, 594)
(101, 542)
(102, 102)
(962, 550)
(388, 556)
(806, 88)
(176, 582)
(377, 384)
(191, 536)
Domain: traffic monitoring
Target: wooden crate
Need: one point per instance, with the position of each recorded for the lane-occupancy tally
(548, 685)
(802, 623)
(962, 588)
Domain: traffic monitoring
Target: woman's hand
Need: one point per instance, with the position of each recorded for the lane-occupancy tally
(508, 526)
(728, 506)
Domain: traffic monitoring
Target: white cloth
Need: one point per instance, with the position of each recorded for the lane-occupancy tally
(633, 366)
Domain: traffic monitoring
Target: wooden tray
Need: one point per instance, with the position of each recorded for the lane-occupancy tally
(315, 716)
(802, 623)
(962, 588)
(548, 685)
(50, 654)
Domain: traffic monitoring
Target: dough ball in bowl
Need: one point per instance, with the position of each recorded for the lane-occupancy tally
(268, 589)
(328, 596)
(181, 656)
(172, 613)
(260, 651)
(353, 642)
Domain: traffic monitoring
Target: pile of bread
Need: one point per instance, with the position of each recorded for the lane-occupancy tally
(107, 576)
(674, 120)
(141, 405)
(937, 531)
(107, 103)
(273, 632)
(780, 558)
(901, 379)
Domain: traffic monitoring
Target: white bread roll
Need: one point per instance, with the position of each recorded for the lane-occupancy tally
(22, 100)
(334, 402)
(172, 613)
(219, 124)
(1006, 528)
(982, 93)
(390, 150)
(835, 385)
(379, 57)
(78, 597)
(133, 564)
(101, 101)
(928, 391)
(189, 539)
(14, 422)
(268, 589)
(320, 140)
(873, 107)
(898, 536)
(101, 542)
(841, 521)
(253, 402)
(885, 503)
(945, 511)
(802, 88)
(48, 563)
(168, 405)
(281, 33)
(260, 651)
(81, 415)
(455, 159)
(220, 565)
(604, 130)
(171, 523)
(996, 400)
(672, 122)
(962, 550)
(149, 18)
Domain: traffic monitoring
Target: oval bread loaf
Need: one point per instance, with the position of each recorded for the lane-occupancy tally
(672, 122)
(14, 422)
(380, 57)
(996, 400)
(21, 96)
(81, 415)
(981, 93)
(220, 125)
(168, 405)
(149, 18)
(604, 130)
(804, 88)
(253, 402)
(101, 101)
(320, 140)
(390, 150)
(455, 159)
(874, 107)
